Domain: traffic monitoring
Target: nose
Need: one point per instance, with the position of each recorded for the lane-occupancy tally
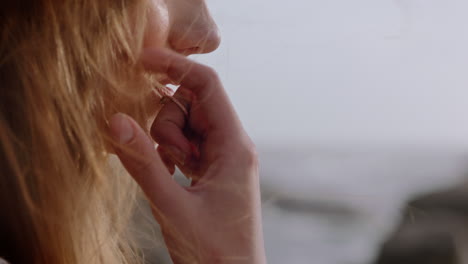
(193, 30)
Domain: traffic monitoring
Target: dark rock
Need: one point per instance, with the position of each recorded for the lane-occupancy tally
(450, 201)
(432, 230)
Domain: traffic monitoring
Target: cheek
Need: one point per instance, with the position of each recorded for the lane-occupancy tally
(157, 29)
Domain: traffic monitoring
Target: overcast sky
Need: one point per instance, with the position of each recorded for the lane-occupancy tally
(341, 71)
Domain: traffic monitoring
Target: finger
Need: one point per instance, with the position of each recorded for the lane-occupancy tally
(168, 128)
(165, 156)
(203, 82)
(138, 155)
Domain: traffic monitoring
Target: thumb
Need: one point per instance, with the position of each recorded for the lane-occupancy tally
(137, 153)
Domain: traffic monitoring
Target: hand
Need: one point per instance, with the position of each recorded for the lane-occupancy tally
(218, 218)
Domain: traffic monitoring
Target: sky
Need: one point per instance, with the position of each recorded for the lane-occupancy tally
(346, 72)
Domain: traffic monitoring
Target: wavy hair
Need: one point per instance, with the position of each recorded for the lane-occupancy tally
(65, 67)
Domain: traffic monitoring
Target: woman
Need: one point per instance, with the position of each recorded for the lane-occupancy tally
(83, 79)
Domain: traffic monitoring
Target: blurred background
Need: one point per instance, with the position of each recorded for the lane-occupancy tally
(359, 110)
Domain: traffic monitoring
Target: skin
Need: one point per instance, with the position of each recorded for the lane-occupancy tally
(184, 26)
(218, 218)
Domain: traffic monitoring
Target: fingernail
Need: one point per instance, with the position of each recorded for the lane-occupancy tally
(177, 154)
(121, 128)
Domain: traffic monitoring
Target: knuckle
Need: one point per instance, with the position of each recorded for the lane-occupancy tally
(209, 74)
(249, 155)
(252, 156)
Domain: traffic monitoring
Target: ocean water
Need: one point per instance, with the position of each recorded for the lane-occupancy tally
(336, 205)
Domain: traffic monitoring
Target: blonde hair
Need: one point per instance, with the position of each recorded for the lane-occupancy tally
(65, 67)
